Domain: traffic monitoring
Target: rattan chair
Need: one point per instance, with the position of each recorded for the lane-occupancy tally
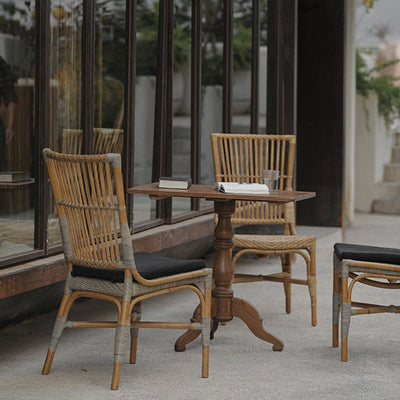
(71, 141)
(90, 199)
(108, 140)
(242, 158)
(370, 265)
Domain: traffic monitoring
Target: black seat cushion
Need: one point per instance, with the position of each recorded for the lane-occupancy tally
(150, 266)
(359, 252)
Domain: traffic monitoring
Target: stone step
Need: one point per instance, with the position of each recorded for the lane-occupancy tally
(395, 155)
(391, 172)
(181, 127)
(382, 206)
(387, 190)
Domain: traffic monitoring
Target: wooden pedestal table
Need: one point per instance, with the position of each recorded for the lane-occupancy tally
(224, 305)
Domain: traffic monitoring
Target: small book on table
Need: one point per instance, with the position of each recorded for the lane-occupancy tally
(171, 182)
(14, 176)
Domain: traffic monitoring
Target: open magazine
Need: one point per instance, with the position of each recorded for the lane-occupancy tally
(236, 187)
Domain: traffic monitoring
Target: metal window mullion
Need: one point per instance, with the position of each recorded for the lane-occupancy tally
(162, 148)
(129, 105)
(195, 117)
(88, 66)
(255, 50)
(41, 137)
(227, 66)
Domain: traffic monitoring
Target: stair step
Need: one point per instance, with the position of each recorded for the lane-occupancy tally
(395, 156)
(381, 206)
(387, 190)
(181, 127)
(391, 172)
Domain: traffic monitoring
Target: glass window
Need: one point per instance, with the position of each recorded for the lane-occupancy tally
(181, 93)
(262, 77)
(65, 132)
(241, 85)
(17, 65)
(145, 97)
(212, 80)
(110, 76)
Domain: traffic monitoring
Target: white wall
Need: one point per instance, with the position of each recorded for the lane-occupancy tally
(372, 151)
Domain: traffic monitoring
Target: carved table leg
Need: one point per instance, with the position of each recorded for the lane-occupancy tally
(248, 314)
(224, 306)
(223, 270)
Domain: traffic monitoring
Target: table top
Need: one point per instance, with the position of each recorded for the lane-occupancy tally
(208, 192)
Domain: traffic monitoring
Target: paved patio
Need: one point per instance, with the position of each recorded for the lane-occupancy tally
(241, 366)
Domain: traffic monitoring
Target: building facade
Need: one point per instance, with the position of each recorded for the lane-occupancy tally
(152, 80)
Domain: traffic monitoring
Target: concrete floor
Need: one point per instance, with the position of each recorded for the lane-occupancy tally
(241, 366)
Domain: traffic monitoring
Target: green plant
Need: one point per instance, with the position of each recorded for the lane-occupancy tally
(242, 48)
(384, 86)
(147, 39)
(212, 60)
(147, 47)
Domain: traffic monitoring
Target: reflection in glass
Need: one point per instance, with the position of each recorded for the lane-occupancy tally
(66, 76)
(262, 78)
(110, 75)
(181, 137)
(211, 91)
(17, 62)
(145, 93)
(241, 85)
(66, 134)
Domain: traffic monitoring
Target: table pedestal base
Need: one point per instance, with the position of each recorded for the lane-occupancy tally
(241, 309)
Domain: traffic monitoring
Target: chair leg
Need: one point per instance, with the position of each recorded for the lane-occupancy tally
(345, 316)
(136, 316)
(58, 329)
(205, 331)
(312, 285)
(287, 286)
(121, 340)
(336, 300)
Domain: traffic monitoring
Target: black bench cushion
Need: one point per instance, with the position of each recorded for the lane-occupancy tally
(367, 253)
(150, 266)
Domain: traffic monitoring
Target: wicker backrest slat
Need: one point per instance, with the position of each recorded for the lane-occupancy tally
(71, 141)
(108, 140)
(88, 191)
(242, 158)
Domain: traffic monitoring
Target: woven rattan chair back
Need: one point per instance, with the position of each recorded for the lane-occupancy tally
(108, 140)
(71, 141)
(242, 158)
(91, 208)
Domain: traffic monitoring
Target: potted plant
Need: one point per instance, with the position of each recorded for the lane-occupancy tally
(384, 86)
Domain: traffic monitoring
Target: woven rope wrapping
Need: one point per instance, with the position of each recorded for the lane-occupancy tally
(242, 158)
(273, 242)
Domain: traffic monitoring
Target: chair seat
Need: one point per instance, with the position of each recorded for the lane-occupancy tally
(347, 251)
(149, 265)
(273, 242)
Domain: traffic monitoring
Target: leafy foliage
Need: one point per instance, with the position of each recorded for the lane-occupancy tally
(384, 87)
